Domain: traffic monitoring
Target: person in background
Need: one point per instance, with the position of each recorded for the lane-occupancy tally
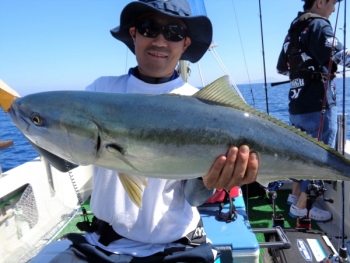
(168, 228)
(306, 53)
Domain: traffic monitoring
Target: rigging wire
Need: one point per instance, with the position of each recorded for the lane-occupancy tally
(200, 73)
(216, 56)
(245, 61)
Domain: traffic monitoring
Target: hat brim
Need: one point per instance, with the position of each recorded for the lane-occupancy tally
(199, 28)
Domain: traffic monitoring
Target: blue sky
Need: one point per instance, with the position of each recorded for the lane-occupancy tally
(64, 44)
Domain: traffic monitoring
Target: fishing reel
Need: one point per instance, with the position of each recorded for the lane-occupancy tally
(315, 189)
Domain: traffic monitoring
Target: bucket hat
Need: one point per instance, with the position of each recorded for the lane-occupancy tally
(199, 27)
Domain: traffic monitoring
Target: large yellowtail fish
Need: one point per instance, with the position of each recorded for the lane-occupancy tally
(169, 136)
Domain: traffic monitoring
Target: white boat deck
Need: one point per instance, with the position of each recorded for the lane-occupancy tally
(26, 228)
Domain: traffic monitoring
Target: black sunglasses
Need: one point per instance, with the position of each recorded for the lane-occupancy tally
(149, 28)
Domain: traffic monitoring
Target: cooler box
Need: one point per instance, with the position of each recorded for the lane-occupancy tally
(236, 241)
(219, 195)
(236, 194)
(239, 201)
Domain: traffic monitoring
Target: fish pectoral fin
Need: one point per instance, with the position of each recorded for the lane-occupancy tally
(133, 185)
(119, 155)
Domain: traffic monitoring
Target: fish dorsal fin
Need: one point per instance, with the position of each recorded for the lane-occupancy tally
(221, 93)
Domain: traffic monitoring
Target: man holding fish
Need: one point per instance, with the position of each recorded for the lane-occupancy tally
(159, 33)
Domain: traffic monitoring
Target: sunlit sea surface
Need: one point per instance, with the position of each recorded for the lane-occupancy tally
(254, 94)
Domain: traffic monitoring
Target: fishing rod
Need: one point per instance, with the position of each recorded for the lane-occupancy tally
(287, 81)
(344, 81)
(342, 250)
(263, 54)
(326, 84)
(279, 83)
(343, 253)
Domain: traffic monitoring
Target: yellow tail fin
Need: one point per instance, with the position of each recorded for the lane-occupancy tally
(7, 96)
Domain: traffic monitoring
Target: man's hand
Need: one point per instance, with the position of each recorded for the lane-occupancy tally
(339, 58)
(238, 167)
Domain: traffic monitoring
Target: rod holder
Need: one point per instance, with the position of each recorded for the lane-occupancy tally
(341, 122)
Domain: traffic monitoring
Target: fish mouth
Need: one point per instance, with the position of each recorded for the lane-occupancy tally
(12, 114)
(15, 114)
(18, 114)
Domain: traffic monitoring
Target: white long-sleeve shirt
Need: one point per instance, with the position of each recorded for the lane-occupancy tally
(166, 215)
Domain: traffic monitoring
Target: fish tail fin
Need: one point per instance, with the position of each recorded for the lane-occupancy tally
(7, 96)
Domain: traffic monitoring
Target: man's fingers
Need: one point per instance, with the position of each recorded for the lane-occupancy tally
(240, 168)
(252, 169)
(229, 167)
(213, 175)
(253, 165)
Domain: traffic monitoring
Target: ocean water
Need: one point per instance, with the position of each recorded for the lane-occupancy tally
(254, 95)
(20, 152)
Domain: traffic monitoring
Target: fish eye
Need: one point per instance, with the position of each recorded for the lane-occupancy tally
(36, 119)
